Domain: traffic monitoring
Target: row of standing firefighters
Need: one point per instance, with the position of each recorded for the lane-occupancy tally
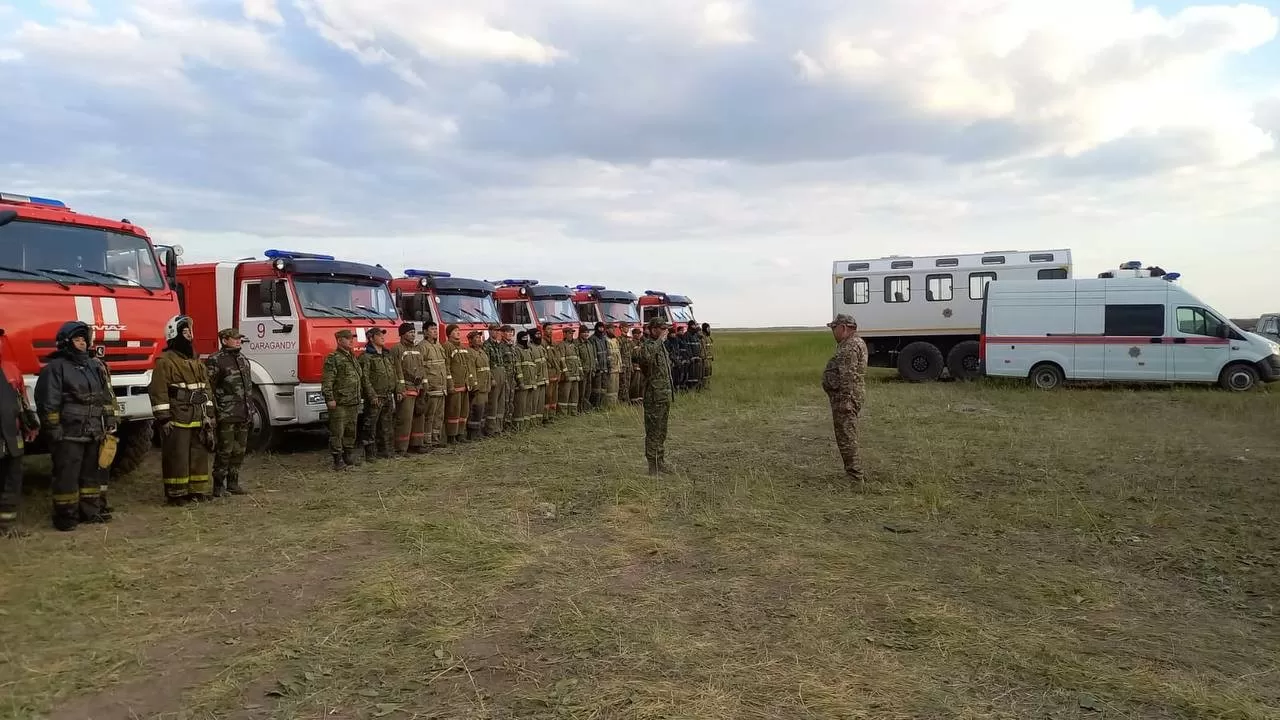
(409, 397)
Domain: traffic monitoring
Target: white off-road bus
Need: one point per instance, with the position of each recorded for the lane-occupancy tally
(921, 315)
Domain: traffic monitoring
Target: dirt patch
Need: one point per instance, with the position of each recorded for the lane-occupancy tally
(183, 662)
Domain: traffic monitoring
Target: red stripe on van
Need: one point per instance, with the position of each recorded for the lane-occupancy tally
(1098, 340)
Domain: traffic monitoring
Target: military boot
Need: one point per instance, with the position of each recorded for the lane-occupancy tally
(662, 466)
(219, 485)
(339, 464)
(350, 457)
(233, 484)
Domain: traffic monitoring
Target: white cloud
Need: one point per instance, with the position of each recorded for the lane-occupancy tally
(78, 8)
(697, 146)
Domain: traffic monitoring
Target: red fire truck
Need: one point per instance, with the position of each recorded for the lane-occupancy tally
(58, 265)
(288, 306)
(675, 309)
(524, 304)
(596, 303)
(430, 296)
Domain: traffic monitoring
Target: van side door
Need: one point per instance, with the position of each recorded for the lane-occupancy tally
(1199, 351)
(1134, 342)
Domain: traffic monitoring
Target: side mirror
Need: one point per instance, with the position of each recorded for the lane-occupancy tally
(7, 216)
(1224, 331)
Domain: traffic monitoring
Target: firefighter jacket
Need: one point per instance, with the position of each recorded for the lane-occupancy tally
(412, 366)
(526, 372)
(180, 391)
(343, 380)
(693, 347)
(587, 356)
(539, 356)
(231, 380)
(615, 355)
(571, 362)
(480, 361)
(501, 355)
(461, 367)
(555, 362)
(382, 369)
(74, 398)
(600, 345)
(435, 363)
(16, 417)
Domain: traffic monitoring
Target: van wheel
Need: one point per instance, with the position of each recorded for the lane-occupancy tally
(262, 436)
(920, 362)
(1238, 378)
(963, 361)
(1047, 376)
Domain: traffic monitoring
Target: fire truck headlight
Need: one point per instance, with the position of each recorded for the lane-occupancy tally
(279, 264)
(315, 398)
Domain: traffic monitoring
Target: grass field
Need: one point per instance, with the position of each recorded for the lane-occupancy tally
(1083, 553)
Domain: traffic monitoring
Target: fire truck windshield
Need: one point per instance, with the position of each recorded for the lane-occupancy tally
(344, 297)
(555, 310)
(619, 312)
(459, 308)
(681, 313)
(75, 254)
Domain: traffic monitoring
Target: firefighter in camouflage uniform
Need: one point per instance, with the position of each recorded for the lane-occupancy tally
(18, 426)
(345, 388)
(183, 405)
(232, 382)
(387, 387)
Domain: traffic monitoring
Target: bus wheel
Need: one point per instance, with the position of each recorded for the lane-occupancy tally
(920, 362)
(963, 362)
(1238, 378)
(1047, 376)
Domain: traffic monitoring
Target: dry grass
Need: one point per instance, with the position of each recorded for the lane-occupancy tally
(1087, 553)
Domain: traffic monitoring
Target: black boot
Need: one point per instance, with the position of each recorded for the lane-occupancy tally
(177, 501)
(351, 458)
(65, 520)
(219, 486)
(233, 484)
(339, 465)
(370, 453)
(653, 466)
(662, 466)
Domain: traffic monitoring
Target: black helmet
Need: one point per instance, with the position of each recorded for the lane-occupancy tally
(72, 329)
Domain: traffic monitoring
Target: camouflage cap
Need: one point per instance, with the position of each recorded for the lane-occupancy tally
(507, 328)
(843, 319)
(230, 334)
(344, 333)
(658, 323)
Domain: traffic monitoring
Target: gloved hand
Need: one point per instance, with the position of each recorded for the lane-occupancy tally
(162, 425)
(110, 426)
(55, 433)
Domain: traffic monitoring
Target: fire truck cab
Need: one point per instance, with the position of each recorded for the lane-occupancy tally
(524, 305)
(596, 303)
(58, 265)
(672, 308)
(288, 306)
(425, 297)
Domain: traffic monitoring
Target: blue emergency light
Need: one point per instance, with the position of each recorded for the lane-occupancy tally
(14, 197)
(514, 283)
(1170, 277)
(292, 255)
(586, 288)
(426, 273)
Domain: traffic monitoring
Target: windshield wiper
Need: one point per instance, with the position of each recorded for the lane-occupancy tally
(33, 273)
(82, 276)
(374, 315)
(324, 310)
(129, 280)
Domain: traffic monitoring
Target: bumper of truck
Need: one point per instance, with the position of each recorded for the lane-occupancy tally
(1269, 368)
(130, 389)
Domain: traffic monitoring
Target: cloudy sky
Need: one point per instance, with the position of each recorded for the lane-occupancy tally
(729, 150)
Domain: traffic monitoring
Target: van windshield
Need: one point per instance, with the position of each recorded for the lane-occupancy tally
(75, 254)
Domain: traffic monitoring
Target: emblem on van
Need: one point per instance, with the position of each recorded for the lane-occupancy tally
(946, 312)
(1135, 351)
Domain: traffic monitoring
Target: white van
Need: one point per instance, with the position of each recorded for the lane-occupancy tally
(1122, 329)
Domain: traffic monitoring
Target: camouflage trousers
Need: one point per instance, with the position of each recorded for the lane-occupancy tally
(844, 416)
(656, 412)
(342, 428)
(229, 453)
(377, 427)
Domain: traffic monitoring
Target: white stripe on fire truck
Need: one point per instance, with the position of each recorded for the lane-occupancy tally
(110, 316)
(84, 313)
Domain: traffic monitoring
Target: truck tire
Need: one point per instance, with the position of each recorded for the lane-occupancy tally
(1238, 377)
(920, 361)
(135, 445)
(262, 436)
(1046, 376)
(963, 361)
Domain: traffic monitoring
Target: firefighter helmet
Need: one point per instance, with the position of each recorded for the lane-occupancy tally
(173, 328)
(70, 330)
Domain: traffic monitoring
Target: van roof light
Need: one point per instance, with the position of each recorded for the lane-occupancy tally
(31, 199)
(293, 255)
(426, 273)
(1172, 276)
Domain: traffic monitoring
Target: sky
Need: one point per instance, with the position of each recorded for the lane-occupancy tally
(729, 150)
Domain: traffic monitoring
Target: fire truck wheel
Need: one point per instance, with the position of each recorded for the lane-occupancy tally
(920, 361)
(262, 437)
(963, 361)
(135, 444)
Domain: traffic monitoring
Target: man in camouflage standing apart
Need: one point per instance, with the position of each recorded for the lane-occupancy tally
(659, 393)
(345, 387)
(844, 380)
(231, 383)
(382, 370)
(502, 360)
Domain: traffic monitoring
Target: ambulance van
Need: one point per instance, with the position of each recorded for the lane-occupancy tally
(1131, 327)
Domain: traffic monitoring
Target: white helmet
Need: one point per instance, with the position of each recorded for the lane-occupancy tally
(173, 328)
